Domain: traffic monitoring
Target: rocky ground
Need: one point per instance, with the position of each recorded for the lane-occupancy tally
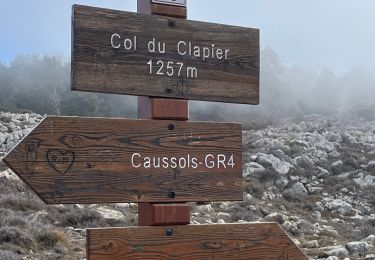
(314, 176)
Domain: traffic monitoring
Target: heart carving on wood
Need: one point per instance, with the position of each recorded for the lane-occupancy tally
(60, 160)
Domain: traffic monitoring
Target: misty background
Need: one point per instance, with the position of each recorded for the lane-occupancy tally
(316, 57)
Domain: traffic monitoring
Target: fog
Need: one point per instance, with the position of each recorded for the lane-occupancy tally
(316, 57)
(293, 91)
(42, 84)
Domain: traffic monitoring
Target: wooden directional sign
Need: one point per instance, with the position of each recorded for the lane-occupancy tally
(148, 55)
(222, 242)
(97, 160)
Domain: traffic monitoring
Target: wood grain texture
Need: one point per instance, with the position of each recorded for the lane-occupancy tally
(163, 108)
(147, 7)
(88, 160)
(151, 214)
(98, 67)
(200, 242)
(169, 10)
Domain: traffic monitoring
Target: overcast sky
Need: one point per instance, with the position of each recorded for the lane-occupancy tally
(317, 34)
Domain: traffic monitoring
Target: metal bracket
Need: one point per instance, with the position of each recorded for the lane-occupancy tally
(170, 2)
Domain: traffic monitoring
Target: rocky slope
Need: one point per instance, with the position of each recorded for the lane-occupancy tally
(314, 176)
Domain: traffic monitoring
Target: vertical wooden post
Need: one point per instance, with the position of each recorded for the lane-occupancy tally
(151, 214)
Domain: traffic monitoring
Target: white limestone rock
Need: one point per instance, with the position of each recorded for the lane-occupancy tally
(278, 165)
(110, 214)
(339, 206)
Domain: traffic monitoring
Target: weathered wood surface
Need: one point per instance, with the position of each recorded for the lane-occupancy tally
(161, 9)
(88, 160)
(98, 67)
(163, 108)
(200, 242)
(151, 214)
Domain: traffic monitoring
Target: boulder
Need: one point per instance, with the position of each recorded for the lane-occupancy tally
(325, 146)
(110, 214)
(310, 244)
(223, 215)
(297, 190)
(12, 127)
(290, 226)
(306, 227)
(299, 142)
(281, 155)
(334, 137)
(357, 248)
(206, 208)
(276, 217)
(337, 164)
(282, 182)
(370, 166)
(313, 189)
(278, 165)
(303, 161)
(294, 178)
(3, 129)
(252, 168)
(328, 230)
(316, 215)
(334, 154)
(6, 117)
(370, 239)
(339, 251)
(365, 181)
(348, 138)
(339, 206)
(332, 258)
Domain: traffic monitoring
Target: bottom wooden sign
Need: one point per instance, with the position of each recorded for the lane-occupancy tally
(227, 241)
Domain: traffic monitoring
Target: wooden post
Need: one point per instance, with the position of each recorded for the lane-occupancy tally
(152, 214)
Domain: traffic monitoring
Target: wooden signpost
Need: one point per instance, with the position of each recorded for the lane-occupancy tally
(264, 241)
(121, 160)
(122, 52)
(161, 161)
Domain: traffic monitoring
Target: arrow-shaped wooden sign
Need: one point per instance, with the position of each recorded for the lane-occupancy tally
(98, 160)
(224, 242)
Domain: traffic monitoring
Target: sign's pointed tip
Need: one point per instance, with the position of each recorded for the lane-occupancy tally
(25, 145)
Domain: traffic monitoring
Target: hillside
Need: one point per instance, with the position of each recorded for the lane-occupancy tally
(314, 175)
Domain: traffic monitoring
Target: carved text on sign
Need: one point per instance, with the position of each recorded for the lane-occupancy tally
(102, 160)
(121, 53)
(209, 161)
(183, 48)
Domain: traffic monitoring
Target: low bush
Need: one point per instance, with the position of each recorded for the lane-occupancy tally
(9, 255)
(268, 176)
(254, 187)
(19, 203)
(48, 239)
(12, 186)
(16, 236)
(76, 216)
